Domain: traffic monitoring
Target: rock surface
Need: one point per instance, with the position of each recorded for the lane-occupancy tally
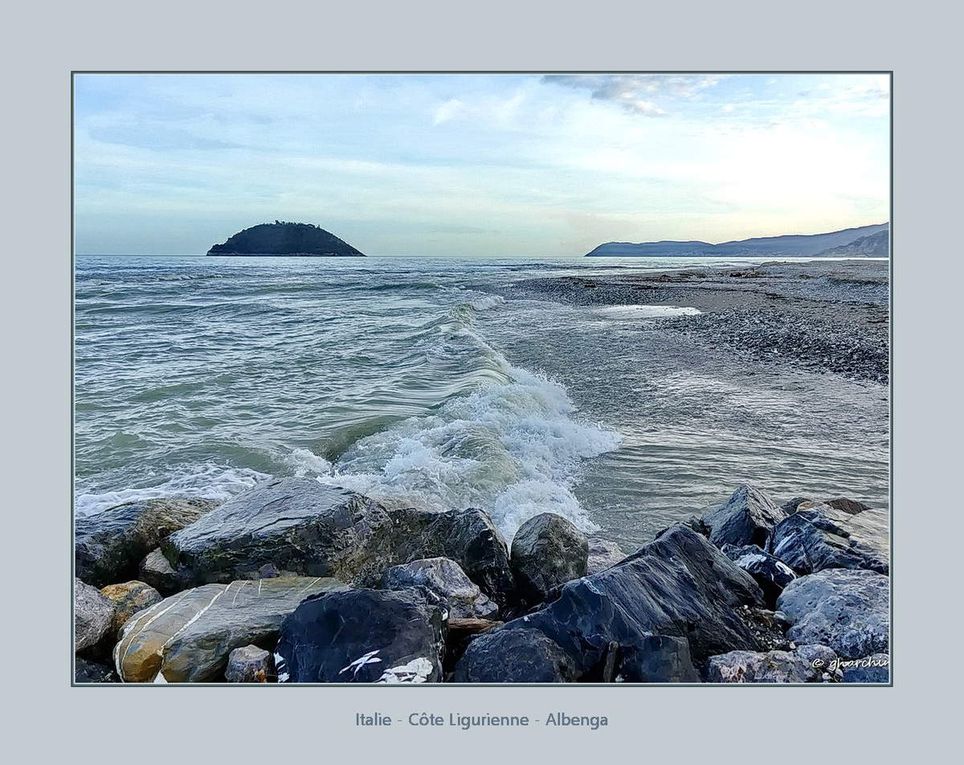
(769, 572)
(188, 637)
(851, 506)
(870, 669)
(747, 518)
(128, 599)
(602, 555)
(362, 636)
(108, 546)
(845, 609)
(547, 551)
(751, 667)
(514, 656)
(678, 586)
(157, 571)
(92, 615)
(86, 671)
(446, 579)
(818, 537)
(249, 664)
(301, 526)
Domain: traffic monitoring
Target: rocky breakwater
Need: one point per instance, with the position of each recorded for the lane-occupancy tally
(295, 582)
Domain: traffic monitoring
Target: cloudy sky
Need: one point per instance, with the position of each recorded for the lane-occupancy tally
(488, 165)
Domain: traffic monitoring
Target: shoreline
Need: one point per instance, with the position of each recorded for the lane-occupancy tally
(824, 316)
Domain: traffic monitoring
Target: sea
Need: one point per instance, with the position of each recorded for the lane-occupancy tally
(443, 383)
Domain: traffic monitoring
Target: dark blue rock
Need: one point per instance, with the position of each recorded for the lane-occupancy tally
(767, 571)
(747, 518)
(362, 636)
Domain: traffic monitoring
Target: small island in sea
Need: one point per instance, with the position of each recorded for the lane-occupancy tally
(282, 238)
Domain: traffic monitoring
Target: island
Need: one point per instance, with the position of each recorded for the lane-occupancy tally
(282, 238)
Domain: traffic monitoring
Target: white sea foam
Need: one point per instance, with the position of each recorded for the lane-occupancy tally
(513, 449)
(646, 311)
(208, 481)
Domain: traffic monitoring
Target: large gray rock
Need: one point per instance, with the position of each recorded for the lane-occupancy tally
(448, 581)
(746, 518)
(300, 526)
(249, 664)
(128, 599)
(157, 571)
(678, 586)
(817, 537)
(603, 554)
(92, 615)
(363, 636)
(189, 636)
(109, 545)
(514, 656)
(753, 667)
(768, 571)
(547, 551)
(845, 609)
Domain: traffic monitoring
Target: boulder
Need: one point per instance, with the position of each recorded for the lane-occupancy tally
(128, 599)
(746, 518)
(466, 536)
(845, 609)
(249, 664)
(188, 637)
(822, 660)
(514, 656)
(870, 669)
(157, 571)
(752, 667)
(602, 555)
(448, 581)
(769, 572)
(362, 636)
(86, 671)
(678, 586)
(851, 506)
(655, 659)
(92, 615)
(109, 545)
(547, 551)
(301, 526)
(790, 507)
(819, 537)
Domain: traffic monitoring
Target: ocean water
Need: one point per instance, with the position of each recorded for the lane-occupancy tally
(439, 383)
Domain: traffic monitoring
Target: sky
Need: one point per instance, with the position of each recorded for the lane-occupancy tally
(476, 165)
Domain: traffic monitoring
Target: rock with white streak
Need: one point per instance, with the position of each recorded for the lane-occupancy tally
(363, 636)
(189, 636)
(92, 615)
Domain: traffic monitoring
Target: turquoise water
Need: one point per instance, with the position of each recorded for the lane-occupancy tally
(435, 382)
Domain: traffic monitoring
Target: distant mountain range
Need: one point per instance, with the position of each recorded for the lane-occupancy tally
(283, 238)
(861, 242)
